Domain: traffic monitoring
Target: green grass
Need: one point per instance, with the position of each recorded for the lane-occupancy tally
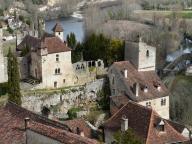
(7, 45)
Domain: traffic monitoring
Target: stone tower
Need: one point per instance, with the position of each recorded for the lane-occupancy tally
(141, 55)
(3, 62)
(58, 31)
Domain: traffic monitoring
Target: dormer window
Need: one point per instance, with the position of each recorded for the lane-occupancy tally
(161, 126)
(57, 57)
(147, 53)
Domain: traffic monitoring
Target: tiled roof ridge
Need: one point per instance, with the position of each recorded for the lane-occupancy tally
(149, 128)
(132, 102)
(24, 110)
(175, 130)
(32, 127)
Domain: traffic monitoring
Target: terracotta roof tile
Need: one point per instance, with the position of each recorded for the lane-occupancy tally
(79, 124)
(59, 134)
(52, 43)
(12, 129)
(147, 79)
(57, 28)
(143, 122)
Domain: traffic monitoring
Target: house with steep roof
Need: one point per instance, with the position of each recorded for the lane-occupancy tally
(48, 60)
(136, 79)
(146, 124)
(19, 125)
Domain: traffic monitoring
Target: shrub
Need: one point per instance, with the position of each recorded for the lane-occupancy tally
(72, 113)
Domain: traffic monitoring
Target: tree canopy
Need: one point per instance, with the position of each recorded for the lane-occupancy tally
(13, 79)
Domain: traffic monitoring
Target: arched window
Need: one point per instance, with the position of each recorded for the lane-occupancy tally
(147, 53)
(58, 70)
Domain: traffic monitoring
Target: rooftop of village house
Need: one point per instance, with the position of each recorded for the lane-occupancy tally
(144, 122)
(12, 128)
(150, 85)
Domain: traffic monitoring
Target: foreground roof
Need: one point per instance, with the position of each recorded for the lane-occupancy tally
(12, 129)
(144, 121)
(52, 43)
(60, 135)
(147, 79)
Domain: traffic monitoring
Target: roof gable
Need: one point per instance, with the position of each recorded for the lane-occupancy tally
(57, 28)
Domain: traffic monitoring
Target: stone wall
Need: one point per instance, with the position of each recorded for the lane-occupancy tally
(65, 98)
(141, 55)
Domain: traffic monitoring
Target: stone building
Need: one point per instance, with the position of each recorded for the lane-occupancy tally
(146, 124)
(135, 79)
(3, 61)
(49, 59)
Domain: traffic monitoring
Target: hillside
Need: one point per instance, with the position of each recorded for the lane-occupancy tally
(181, 99)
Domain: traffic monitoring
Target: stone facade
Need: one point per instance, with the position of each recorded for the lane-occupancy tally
(141, 55)
(3, 62)
(161, 109)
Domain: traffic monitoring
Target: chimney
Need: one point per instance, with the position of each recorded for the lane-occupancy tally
(124, 123)
(159, 88)
(125, 73)
(82, 134)
(136, 89)
(27, 122)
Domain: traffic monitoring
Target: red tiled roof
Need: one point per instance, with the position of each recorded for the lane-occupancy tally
(81, 124)
(59, 134)
(52, 43)
(146, 78)
(143, 122)
(57, 28)
(12, 129)
(55, 45)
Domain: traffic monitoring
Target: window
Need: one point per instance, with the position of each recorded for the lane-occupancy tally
(163, 102)
(55, 84)
(82, 66)
(147, 53)
(63, 80)
(57, 57)
(161, 128)
(148, 104)
(59, 33)
(57, 71)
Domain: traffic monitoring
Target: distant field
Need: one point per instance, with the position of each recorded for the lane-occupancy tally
(149, 13)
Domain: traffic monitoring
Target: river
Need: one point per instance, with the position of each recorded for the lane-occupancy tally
(70, 24)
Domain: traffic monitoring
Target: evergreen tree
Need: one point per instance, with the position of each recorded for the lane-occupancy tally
(13, 79)
(71, 40)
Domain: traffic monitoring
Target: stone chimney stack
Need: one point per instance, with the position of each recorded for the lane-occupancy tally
(124, 123)
(136, 89)
(27, 122)
(125, 73)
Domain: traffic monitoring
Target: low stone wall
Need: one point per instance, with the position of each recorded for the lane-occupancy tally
(63, 99)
